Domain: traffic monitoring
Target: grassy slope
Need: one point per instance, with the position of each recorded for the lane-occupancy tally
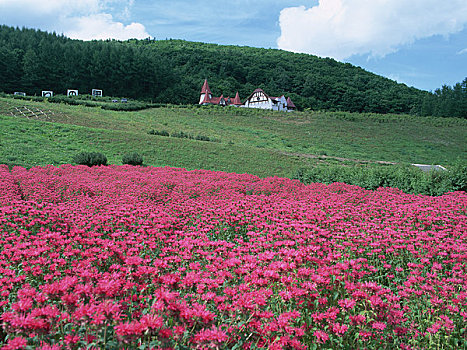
(261, 139)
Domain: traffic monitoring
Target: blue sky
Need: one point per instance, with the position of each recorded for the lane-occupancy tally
(421, 43)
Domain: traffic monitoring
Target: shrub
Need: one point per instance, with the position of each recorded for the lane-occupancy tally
(406, 178)
(158, 132)
(202, 138)
(458, 176)
(90, 158)
(182, 135)
(132, 159)
(206, 138)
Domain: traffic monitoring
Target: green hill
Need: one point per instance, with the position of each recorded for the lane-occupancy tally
(232, 139)
(172, 71)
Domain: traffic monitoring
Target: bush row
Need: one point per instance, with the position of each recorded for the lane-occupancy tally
(89, 101)
(408, 179)
(97, 158)
(183, 135)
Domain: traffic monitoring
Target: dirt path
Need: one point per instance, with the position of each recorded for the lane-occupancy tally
(314, 156)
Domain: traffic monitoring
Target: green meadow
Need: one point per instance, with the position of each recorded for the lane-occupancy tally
(263, 143)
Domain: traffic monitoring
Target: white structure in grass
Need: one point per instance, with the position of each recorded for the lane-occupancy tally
(427, 168)
(46, 93)
(18, 93)
(259, 99)
(96, 93)
(71, 92)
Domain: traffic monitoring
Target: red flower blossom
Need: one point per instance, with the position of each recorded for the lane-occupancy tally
(15, 343)
(321, 336)
(155, 253)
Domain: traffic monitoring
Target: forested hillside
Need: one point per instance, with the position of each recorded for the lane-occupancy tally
(312, 82)
(172, 71)
(32, 61)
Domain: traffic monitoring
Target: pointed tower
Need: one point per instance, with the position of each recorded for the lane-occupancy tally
(206, 94)
(236, 101)
(290, 105)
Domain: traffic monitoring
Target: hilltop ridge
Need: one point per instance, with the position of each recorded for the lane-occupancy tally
(171, 71)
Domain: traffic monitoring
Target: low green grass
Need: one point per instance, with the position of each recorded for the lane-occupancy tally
(259, 142)
(31, 143)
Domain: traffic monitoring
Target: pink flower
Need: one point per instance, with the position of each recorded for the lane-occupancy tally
(159, 252)
(210, 335)
(15, 343)
(71, 339)
(131, 328)
(49, 347)
(339, 329)
(379, 326)
(165, 333)
(347, 303)
(358, 319)
(152, 321)
(321, 336)
(365, 335)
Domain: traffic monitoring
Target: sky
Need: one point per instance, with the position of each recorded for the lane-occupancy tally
(421, 43)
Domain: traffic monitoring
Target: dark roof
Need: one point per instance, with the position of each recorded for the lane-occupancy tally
(215, 100)
(236, 100)
(258, 90)
(205, 88)
(290, 103)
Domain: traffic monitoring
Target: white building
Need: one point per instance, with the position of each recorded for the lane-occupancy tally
(259, 99)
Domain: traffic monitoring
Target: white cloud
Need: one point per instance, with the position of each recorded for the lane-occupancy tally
(342, 28)
(102, 26)
(49, 7)
(462, 51)
(83, 19)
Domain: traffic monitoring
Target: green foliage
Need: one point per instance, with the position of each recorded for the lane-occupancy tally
(90, 158)
(172, 71)
(446, 102)
(457, 176)
(133, 158)
(183, 135)
(89, 101)
(408, 179)
(257, 142)
(203, 138)
(29, 142)
(50, 62)
(159, 132)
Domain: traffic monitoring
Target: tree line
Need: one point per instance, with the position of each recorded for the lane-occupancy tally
(172, 71)
(446, 102)
(32, 61)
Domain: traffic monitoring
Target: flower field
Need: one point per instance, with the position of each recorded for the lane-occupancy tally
(163, 258)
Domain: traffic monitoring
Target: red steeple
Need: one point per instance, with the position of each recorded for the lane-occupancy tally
(290, 104)
(236, 100)
(205, 89)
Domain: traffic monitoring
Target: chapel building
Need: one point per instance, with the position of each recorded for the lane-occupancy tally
(258, 99)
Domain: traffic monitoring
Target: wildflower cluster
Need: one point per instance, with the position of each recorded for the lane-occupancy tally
(161, 258)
